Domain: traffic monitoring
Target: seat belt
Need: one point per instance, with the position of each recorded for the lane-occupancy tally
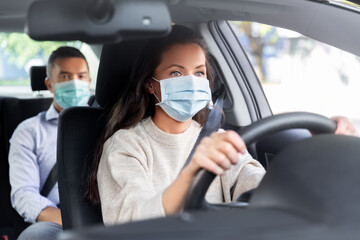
(212, 124)
(50, 182)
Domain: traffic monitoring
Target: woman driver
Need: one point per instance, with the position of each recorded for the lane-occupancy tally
(154, 127)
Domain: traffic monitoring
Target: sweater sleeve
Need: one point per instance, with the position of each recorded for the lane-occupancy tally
(124, 182)
(244, 176)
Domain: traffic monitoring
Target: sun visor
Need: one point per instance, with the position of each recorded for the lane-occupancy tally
(97, 21)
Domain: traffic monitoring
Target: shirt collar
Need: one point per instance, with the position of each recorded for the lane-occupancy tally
(51, 113)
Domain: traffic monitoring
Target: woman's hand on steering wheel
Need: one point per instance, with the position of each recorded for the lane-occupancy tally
(195, 198)
(218, 152)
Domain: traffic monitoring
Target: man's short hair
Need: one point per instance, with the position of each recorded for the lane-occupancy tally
(63, 52)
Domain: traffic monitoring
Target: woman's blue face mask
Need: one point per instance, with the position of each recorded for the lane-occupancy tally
(72, 93)
(183, 97)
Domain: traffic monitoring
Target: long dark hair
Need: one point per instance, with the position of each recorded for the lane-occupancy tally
(136, 103)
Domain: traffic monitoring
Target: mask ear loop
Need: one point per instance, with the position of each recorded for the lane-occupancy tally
(155, 79)
(156, 98)
(154, 92)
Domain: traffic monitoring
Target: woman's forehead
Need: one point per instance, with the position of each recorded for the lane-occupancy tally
(186, 55)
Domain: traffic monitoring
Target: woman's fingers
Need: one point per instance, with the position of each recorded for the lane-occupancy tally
(218, 152)
(233, 138)
(228, 150)
(219, 158)
(202, 161)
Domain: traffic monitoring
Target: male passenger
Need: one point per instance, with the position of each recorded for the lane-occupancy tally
(32, 153)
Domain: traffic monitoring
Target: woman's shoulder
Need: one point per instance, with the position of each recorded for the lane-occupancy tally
(127, 135)
(134, 136)
(127, 141)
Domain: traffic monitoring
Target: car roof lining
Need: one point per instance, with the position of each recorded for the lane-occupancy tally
(316, 19)
(309, 18)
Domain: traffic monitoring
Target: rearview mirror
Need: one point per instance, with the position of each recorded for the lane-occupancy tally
(97, 21)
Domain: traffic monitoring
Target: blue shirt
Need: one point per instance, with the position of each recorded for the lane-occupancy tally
(32, 155)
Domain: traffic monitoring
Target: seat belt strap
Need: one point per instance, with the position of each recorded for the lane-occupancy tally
(50, 182)
(212, 125)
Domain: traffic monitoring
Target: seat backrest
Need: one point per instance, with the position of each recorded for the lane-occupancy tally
(12, 112)
(37, 77)
(80, 130)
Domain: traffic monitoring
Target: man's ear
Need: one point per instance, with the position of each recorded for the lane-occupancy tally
(150, 87)
(48, 84)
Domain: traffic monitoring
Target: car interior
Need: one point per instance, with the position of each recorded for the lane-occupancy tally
(294, 200)
(13, 111)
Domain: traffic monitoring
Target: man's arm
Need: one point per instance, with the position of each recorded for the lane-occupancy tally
(24, 174)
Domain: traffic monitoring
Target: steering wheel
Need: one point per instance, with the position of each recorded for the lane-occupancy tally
(195, 198)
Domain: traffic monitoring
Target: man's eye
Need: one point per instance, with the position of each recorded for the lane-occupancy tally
(65, 77)
(176, 74)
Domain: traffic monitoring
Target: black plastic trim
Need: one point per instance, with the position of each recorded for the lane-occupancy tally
(221, 38)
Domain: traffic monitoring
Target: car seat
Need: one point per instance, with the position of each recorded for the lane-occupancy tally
(81, 128)
(13, 111)
(37, 76)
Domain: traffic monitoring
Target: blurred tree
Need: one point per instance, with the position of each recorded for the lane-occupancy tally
(20, 48)
(262, 41)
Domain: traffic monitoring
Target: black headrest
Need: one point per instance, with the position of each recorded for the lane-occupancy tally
(115, 69)
(37, 77)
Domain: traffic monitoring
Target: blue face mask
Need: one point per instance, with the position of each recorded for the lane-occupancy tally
(183, 97)
(72, 93)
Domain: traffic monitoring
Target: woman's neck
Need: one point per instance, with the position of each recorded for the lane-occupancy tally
(167, 124)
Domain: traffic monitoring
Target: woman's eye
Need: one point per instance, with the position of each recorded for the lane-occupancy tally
(176, 74)
(199, 74)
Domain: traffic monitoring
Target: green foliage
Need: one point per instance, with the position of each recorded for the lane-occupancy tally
(15, 82)
(260, 36)
(20, 48)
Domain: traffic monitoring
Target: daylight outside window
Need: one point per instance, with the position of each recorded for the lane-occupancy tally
(18, 53)
(352, 4)
(300, 74)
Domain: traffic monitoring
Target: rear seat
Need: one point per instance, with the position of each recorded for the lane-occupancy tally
(12, 112)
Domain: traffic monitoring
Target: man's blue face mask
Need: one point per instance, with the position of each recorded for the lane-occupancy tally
(72, 93)
(183, 97)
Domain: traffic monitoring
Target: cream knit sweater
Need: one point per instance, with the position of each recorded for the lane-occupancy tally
(138, 164)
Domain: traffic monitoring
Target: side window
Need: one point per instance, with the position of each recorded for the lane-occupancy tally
(18, 53)
(301, 74)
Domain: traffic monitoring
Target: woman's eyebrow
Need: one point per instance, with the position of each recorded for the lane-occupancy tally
(182, 67)
(175, 65)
